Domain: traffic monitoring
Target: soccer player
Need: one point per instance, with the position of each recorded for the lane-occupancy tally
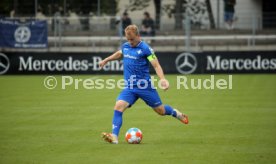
(136, 58)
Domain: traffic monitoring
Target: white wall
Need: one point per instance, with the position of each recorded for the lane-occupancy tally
(245, 11)
(136, 16)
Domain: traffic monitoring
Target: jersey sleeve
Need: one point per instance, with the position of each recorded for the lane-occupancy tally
(150, 53)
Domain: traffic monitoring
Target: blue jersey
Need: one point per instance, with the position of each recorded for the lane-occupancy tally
(136, 63)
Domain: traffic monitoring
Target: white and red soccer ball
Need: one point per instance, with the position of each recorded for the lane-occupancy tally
(134, 136)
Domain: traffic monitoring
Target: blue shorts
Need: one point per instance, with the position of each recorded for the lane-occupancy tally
(149, 95)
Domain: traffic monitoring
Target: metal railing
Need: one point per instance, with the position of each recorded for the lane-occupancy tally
(97, 31)
(78, 24)
(196, 40)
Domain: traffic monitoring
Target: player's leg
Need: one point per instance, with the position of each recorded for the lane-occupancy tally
(119, 108)
(117, 121)
(124, 100)
(168, 110)
(151, 97)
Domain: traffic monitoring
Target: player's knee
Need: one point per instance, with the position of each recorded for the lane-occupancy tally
(160, 110)
(120, 105)
(160, 113)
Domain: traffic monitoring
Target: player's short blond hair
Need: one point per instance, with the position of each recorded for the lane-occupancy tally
(133, 28)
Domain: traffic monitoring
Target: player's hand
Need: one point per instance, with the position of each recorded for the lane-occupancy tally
(102, 63)
(164, 84)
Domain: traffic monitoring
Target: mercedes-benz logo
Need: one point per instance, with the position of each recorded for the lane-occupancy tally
(186, 63)
(22, 34)
(4, 63)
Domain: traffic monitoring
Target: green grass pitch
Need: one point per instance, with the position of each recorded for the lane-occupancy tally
(38, 125)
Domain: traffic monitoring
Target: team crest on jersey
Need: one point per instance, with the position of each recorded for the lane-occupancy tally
(139, 52)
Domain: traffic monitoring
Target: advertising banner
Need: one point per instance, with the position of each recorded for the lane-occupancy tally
(30, 34)
(171, 62)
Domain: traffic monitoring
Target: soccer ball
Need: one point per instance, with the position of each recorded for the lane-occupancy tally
(134, 136)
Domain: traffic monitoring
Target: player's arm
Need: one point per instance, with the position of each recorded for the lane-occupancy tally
(117, 55)
(159, 71)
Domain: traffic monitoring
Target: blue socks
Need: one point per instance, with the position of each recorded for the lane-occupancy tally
(117, 122)
(118, 119)
(169, 111)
